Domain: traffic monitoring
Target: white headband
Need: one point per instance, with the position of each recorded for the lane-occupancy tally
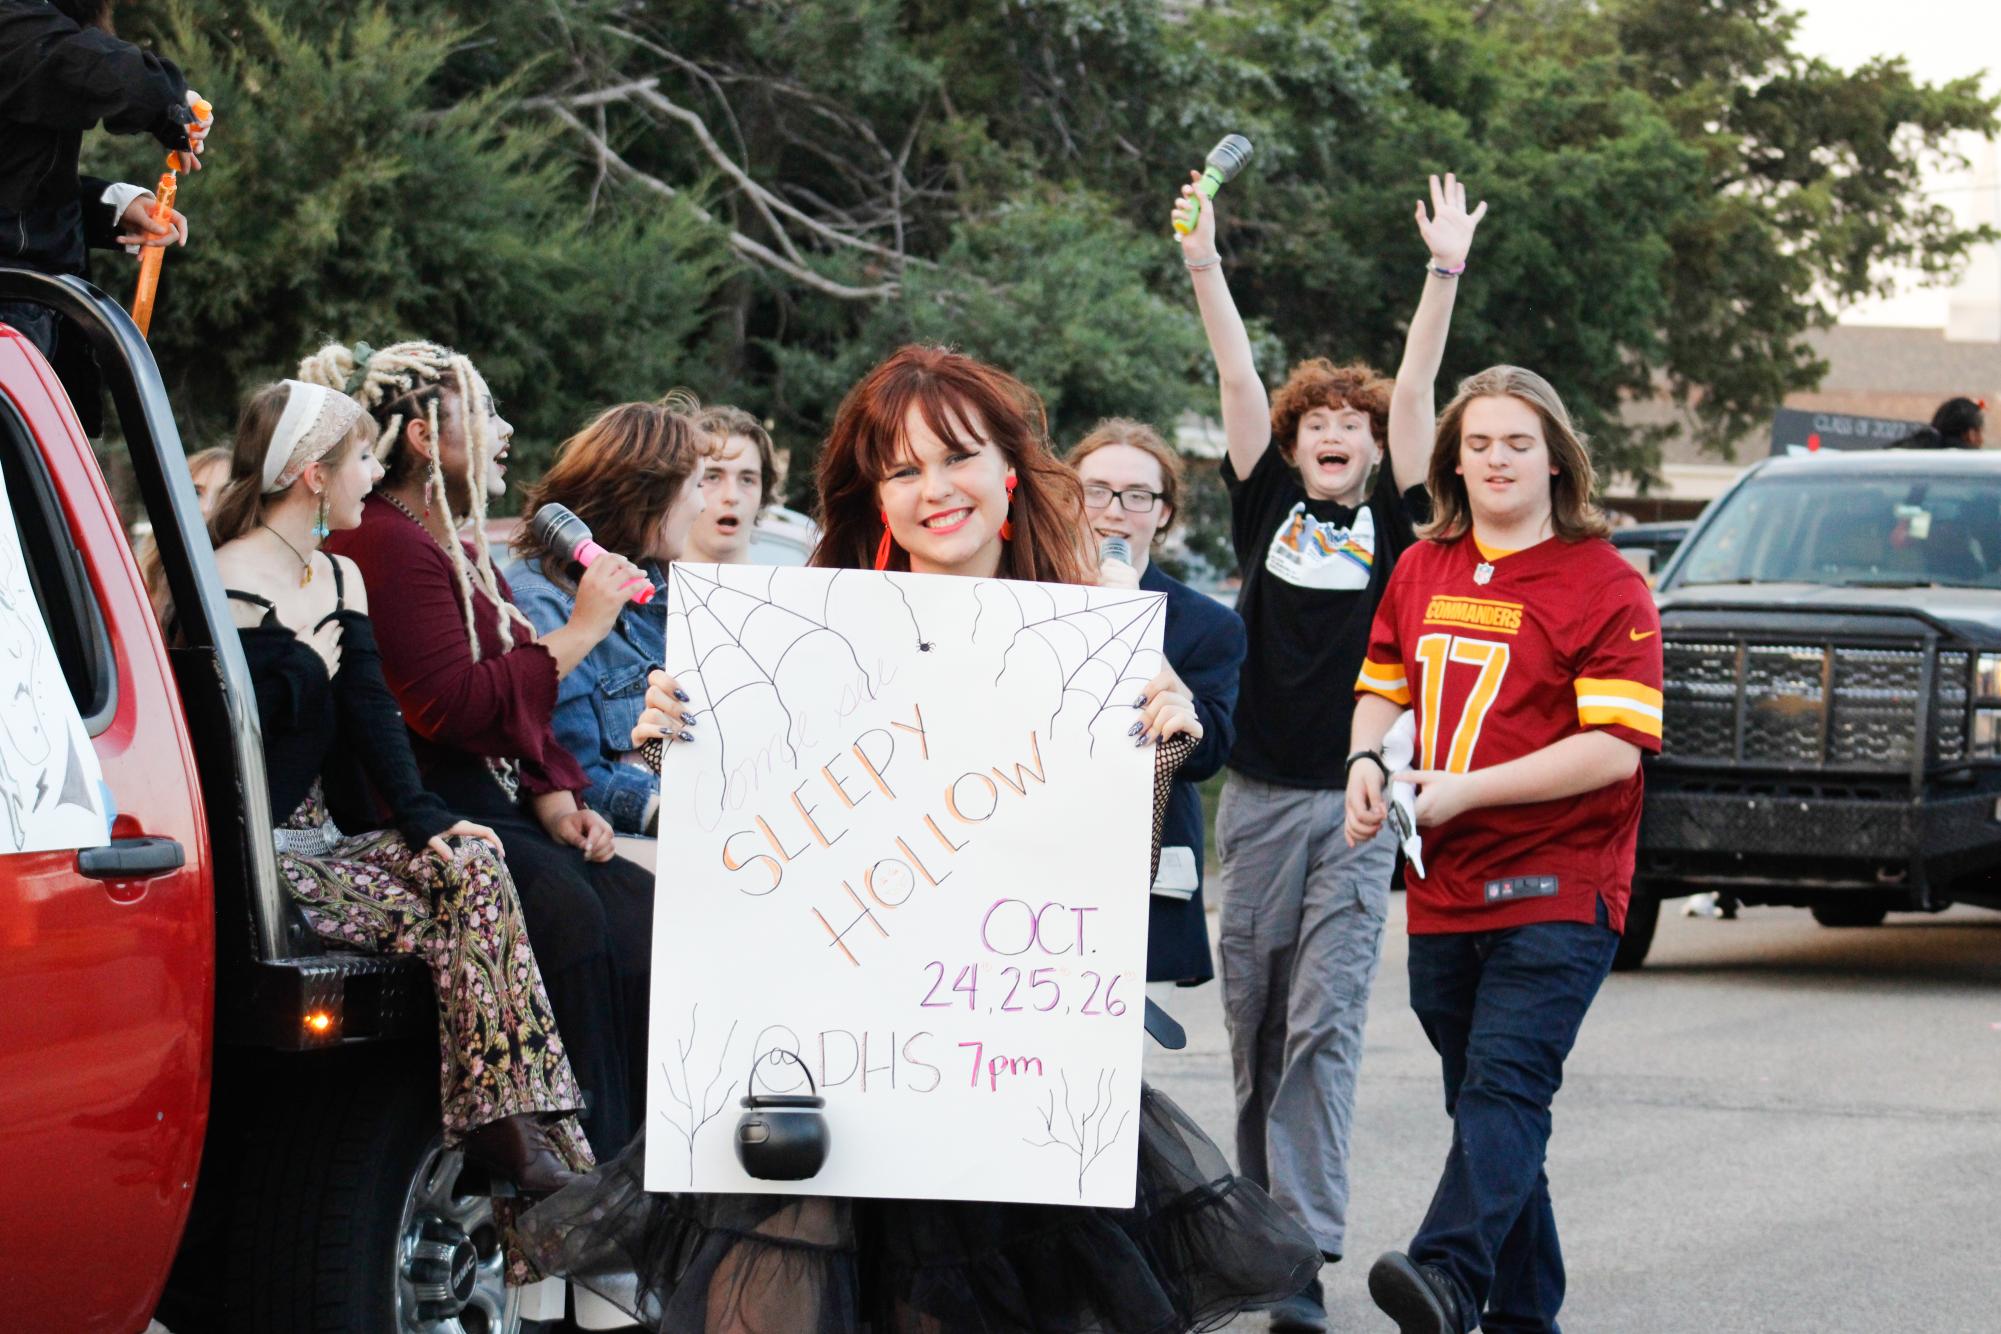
(314, 421)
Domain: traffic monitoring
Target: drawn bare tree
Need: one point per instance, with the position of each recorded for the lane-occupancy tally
(1084, 1136)
(695, 1112)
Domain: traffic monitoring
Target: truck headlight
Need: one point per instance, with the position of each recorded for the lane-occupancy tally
(1987, 676)
(1986, 734)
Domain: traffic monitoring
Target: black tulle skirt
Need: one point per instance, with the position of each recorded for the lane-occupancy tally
(1200, 1245)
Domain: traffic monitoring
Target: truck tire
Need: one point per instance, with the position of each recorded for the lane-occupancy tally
(344, 1220)
(1849, 914)
(1643, 914)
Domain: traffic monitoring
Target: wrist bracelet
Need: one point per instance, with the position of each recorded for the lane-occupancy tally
(1199, 266)
(1371, 755)
(1444, 272)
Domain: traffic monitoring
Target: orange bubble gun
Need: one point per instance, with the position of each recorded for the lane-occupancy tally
(151, 257)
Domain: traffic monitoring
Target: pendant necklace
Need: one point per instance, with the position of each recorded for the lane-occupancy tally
(305, 561)
(401, 508)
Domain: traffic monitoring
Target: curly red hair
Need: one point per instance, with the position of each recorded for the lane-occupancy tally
(1319, 383)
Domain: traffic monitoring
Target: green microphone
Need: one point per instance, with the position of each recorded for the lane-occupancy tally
(1226, 159)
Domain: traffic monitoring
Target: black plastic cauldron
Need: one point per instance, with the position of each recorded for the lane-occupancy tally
(782, 1136)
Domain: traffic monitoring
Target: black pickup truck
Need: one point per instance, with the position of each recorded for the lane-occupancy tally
(1832, 703)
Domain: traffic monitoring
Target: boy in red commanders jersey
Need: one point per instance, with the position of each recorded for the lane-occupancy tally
(1530, 653)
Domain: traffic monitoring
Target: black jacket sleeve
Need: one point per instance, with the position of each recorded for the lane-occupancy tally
(1211, 668)
(57, 76)
(100, 224)
(371, 724)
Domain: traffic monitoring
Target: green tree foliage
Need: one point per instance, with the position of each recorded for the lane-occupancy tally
(599, 198)
(348, 196)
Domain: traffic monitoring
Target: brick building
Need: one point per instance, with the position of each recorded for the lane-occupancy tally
(1872, 371)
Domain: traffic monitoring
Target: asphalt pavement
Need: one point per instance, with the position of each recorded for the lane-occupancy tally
(1774, 1127)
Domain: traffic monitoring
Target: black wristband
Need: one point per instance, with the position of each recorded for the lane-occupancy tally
(1373, 756)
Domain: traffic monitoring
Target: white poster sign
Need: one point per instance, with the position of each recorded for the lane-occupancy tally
(51, 788)
(909, 844)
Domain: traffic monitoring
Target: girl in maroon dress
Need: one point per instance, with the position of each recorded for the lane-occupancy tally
(477, 687)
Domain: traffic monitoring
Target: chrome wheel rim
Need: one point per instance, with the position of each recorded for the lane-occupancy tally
(450, 1265)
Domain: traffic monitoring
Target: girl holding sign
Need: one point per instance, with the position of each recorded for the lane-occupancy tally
(939, 464)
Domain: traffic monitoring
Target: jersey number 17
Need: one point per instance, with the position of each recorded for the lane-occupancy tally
(1435, 654)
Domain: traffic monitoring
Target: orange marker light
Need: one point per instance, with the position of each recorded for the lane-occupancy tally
(319, 1022)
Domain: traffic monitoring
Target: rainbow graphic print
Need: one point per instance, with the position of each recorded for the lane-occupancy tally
(1310, 553)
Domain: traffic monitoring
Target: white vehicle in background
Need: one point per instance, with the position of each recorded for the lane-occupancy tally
(782, 537)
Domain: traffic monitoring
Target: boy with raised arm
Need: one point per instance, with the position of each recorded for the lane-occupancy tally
(1318, 517)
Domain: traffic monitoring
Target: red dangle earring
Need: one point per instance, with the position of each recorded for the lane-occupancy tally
(1007, 525)
(882, 547)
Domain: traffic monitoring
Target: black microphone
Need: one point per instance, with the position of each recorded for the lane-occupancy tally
(559, 530)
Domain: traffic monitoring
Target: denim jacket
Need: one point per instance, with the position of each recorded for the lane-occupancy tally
(598, 703)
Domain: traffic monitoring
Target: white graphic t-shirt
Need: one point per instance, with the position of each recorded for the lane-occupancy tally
(1313, 571)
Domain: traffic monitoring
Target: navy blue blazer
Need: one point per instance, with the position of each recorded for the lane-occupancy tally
(1205, 646)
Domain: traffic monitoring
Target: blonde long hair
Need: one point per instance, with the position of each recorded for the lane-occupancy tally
(1573, 516)
(406, 382)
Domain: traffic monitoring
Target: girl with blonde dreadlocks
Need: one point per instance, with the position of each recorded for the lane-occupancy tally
(478, 688)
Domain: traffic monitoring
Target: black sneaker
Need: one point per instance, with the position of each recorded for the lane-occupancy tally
(1305, 1312)
(1420, 1298)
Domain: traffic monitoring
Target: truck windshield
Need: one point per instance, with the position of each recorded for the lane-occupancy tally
(1882, 530)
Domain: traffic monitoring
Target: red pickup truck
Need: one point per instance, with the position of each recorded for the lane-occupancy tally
(205, 1117)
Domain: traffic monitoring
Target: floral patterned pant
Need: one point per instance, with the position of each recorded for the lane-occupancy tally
(498, 1050)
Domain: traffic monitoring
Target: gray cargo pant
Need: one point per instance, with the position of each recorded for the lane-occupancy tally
(1302, 933)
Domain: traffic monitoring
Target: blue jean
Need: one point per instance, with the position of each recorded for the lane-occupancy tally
(35, 323)
(1503, 1008)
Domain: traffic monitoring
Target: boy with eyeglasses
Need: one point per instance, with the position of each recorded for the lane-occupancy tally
(1132, 488)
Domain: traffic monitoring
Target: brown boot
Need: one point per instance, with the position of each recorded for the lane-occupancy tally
(517, 1148)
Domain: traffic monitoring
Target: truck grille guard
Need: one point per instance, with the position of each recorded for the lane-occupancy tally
(1838, 695)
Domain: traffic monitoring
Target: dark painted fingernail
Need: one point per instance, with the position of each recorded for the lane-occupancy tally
(681, 695)
(1140, 703)
(1135, 729)
(688, 720)
(687, 736)
(1144, 741)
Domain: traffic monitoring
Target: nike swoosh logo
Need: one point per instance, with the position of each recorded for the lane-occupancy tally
(1637, 636)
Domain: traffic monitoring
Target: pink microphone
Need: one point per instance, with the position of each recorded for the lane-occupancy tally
(560, 530)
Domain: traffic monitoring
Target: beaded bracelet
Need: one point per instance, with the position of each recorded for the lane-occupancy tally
(1444, 272)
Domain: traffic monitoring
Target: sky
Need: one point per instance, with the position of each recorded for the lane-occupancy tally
(1941, 39)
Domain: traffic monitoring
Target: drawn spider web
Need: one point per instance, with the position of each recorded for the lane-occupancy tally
(1097, 648)
(737, 636)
